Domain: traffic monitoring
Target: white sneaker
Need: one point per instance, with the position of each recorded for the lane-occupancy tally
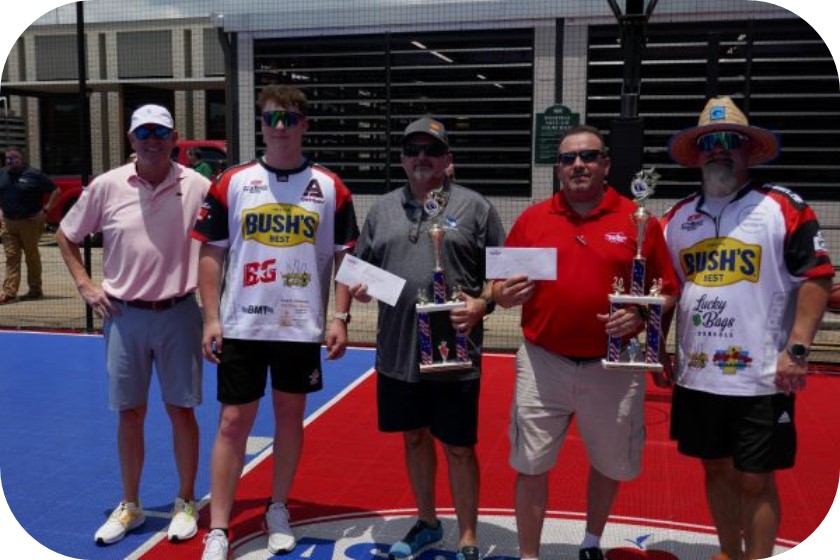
(280, 536)
(183, 525)
(215, 546)
(126, 517)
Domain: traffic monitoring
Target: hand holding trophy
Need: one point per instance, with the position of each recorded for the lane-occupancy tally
(649, 305)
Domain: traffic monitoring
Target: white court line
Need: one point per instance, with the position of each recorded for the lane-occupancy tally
(160, 535)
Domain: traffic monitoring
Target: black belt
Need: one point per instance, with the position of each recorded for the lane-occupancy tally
(20, 217)
(159, 305)
(580, 361)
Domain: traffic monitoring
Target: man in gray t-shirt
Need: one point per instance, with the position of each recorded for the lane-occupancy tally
(424, 406)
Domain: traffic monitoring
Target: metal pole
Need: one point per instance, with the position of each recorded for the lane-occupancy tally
(626, 139)
(229, 49)
(84, 134)
(633, 43)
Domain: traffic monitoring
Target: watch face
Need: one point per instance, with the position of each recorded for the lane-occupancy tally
(798, 350)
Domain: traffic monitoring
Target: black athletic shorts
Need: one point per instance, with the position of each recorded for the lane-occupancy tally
(757, 432)
(295, 368)
(448, 408)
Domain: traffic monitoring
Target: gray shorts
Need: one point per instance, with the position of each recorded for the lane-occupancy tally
(608, 405)
(135, 339)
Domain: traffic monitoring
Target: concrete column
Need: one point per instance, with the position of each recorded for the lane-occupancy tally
(545, 65)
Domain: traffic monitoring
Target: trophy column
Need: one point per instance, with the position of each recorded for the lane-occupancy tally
(649, 306)
(426, 334)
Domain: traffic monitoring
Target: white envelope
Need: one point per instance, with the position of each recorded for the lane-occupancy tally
(537, 263)
(382, 285)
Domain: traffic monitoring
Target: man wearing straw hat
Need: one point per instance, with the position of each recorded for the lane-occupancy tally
(756, 274)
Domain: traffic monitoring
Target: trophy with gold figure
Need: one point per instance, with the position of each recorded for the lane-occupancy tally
(642, 354)
(441, 347)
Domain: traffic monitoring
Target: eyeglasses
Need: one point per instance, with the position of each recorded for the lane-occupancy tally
(435, 149)
(144, 132)
(726, 139)
(288, 118)
(586, 156)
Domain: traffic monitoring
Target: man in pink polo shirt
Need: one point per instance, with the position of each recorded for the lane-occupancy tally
(145, 211)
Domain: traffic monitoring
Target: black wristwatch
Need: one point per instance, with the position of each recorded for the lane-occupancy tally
(490, 304)
(798, 351)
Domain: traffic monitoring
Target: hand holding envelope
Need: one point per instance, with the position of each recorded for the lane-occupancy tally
(534, 262)
(381, 284)
(519, 267)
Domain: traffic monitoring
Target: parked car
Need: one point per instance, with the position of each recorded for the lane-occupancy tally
(69, 187)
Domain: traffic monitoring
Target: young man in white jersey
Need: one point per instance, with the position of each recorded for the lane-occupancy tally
(755, 275)
(275, 226)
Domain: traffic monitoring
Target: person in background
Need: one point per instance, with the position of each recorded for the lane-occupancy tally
(198, 164)
(425, 407)
(565, 325)
(145, 212)
(450, 172)
(22, 211)
(274, 227)
(755, 275)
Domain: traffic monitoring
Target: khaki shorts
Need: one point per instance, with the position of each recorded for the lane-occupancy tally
(608, 405)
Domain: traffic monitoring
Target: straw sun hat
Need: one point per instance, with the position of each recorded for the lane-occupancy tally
(721, 113)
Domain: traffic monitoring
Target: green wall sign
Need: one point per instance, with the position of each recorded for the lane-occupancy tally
(551, 125)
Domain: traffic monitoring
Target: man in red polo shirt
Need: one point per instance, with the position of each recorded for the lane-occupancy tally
(565, 324)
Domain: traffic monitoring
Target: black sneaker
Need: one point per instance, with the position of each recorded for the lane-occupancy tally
(421, 537)
(593, 553)
(468, 553)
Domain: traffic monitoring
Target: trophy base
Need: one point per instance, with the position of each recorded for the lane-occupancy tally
(632, 366)
(435, 307)
(640, 300)
(438, 367)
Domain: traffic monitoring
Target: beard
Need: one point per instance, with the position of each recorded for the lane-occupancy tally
(719, 178)
(424, 174)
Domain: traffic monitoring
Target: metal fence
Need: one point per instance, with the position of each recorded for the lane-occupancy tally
(487, 69)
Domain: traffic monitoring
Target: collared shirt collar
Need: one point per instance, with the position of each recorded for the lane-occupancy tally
(610, 202)
(408, 200)
(740, 193)
(173, 177)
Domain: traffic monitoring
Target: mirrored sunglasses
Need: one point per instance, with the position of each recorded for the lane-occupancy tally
(288, 118)
(586, 156)
(435, 149)
(145, 132)
(726, 139)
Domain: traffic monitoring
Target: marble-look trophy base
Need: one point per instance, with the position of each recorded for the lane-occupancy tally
(449, 342)
(631, 366)
(648, 363)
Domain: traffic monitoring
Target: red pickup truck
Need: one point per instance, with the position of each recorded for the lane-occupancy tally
(213, 152)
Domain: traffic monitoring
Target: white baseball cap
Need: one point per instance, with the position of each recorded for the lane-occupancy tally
(151, 114)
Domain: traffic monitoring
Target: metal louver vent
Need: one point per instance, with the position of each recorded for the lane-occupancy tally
(364, 90)
(779, 72)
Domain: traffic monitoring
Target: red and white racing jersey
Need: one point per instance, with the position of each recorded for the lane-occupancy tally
(282, 229)
(740, 272)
